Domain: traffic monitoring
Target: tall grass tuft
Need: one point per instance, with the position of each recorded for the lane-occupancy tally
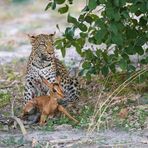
(100, 109)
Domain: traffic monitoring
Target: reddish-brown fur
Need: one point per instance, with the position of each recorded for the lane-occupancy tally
(47, 105)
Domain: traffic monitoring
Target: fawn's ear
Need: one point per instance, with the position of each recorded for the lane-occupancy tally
(58, 79)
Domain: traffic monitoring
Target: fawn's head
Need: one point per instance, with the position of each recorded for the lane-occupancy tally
(55, 88)
(29, 108)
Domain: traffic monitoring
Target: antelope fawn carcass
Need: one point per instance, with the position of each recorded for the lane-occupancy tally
(48, 105)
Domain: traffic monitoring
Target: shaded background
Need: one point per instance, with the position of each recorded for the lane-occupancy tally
(21, 17)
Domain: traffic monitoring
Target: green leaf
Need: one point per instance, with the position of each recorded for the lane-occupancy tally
(144, 61)
(70, 2)
(89, 54)
(130, 50)
(134, 8)
(85, 9)
(81, 42)
(117, 16)
(79, 51)
(143, 22)
(102, 1)
(59, 1)
(131, 33)
(88, 76)
(143, 7)
(139, 50)
(125, 14)
(105, 70)
(100, 23)
(105, 56)
(99, 35)
(98, 52)
(78, 44)
(123, 64)
(94, 16)
(120, 26)
(48, 6)
(63, 9)
(83, 35)
(112, 27)
(92, 4)
(58, 43)
(116, 3)
(86, 65)
(71, 19)
(82, 27)
(131, 68)
(141, 41)
(125, 56)
(117, 39)
(69, 32)
(53, 6)
(63, 50)
(112, 68)
(110, 13)
(81, 17)
(88, 19)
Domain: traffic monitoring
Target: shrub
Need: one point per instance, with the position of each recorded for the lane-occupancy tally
(120, 26)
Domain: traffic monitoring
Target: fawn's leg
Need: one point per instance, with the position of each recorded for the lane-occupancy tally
(43, 118)
(62, 109)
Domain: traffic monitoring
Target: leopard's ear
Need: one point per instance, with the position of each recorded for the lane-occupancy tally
(53, 34)
(31, 37)
(50, 85)
(58, 79)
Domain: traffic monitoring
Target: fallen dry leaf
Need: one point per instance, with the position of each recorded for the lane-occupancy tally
(123, 113)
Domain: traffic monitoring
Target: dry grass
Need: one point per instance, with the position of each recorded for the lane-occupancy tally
(101, 108)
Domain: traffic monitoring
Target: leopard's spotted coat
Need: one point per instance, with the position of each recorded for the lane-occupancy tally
(42, 62)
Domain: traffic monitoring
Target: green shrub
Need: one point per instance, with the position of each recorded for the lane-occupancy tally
(121, 25)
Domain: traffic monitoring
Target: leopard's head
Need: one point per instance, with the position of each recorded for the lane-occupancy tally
(42, 45)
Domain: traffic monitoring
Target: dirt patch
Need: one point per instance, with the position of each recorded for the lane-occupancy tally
(66, 136)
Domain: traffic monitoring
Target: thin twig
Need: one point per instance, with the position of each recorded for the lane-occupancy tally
(20, 123)
(133, 78)
(10, 85)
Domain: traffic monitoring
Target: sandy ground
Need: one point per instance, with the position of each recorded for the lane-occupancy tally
(66, 136)
(31, 19)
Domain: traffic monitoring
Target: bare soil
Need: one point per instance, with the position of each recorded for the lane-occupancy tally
(66, 136)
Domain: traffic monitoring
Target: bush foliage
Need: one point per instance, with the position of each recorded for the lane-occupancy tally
(120, 26)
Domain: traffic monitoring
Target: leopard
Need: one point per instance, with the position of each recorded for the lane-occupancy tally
(42, 62)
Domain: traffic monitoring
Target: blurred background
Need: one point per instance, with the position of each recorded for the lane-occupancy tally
(21, 17)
